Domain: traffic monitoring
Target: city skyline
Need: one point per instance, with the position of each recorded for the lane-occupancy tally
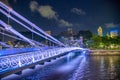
(59, 39)
(57, 16)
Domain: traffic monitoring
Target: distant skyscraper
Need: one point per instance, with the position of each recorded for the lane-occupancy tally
(100, 31)
(80, 41)
(70, 30)
(48, 42)
(48, 32)
(113, 33)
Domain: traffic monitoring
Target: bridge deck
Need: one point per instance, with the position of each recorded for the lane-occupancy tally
(15, 63)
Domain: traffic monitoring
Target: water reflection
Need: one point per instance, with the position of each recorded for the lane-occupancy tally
(98, 68)
(79, 72)
(70, 56)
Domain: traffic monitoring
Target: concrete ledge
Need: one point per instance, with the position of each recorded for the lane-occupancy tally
(104, 52)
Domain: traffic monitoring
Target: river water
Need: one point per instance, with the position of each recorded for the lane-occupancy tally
(80, 67)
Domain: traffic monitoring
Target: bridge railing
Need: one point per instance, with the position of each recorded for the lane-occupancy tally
(12, 62)
(12, 51)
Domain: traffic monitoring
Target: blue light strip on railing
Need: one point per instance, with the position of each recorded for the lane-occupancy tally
(11, 62)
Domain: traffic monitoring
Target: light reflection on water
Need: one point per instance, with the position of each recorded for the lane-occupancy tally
(79, 72)
(98, 68)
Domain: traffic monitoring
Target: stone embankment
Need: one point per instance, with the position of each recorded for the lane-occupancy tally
(104, 52)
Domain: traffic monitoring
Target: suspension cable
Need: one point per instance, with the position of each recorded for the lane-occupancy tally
(30, 23)
(3, 12)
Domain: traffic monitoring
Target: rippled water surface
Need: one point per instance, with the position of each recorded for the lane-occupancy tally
(81, 68)
(98, 68)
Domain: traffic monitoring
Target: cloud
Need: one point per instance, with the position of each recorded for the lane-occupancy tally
(15, 1)
(33, 6)
(78, 11)
(110, 25)
(5, 2)
(64, 23)
(47, 12)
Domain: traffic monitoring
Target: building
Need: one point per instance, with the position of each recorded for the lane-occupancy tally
(80, 41)
(48, 32)
(100, 32)
(46, 41)
(113, 33)
(70, 30)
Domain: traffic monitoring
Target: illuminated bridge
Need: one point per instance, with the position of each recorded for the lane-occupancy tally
(14, 60)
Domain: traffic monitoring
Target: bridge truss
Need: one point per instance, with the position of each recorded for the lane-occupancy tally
(17, 60)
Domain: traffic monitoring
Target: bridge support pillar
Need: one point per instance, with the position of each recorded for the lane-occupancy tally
(42, 63)
(33, 67)
(54, 58)
(19, 73)
(48, 60)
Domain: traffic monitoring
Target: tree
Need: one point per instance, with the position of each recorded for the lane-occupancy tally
(86, 34)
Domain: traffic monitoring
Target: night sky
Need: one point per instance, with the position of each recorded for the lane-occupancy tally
(58, 15)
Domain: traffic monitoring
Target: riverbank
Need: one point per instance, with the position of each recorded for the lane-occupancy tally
(104, 52)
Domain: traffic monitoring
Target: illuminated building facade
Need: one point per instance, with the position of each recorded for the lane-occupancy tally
(70, 30)
(48, 32)
(113, 33)
(100, 32)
